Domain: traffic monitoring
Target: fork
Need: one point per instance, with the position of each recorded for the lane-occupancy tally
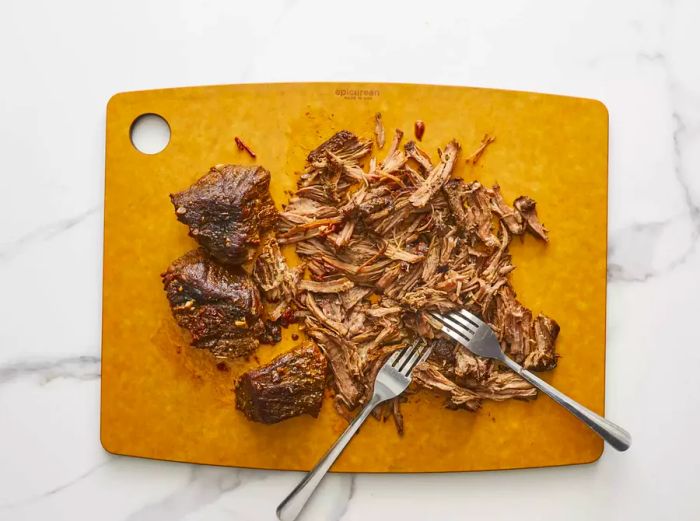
(477, 336)
(393, 379)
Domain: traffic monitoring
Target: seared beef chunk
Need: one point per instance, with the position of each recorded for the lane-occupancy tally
(290, 385)
(227, 209)
(220, 307)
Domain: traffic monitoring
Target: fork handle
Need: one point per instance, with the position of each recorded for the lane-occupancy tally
(615, 435)
(289, 509)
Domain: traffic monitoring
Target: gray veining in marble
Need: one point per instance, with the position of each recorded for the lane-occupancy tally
(44, 233)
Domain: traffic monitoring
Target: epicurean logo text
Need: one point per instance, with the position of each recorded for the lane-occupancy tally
(357, 93)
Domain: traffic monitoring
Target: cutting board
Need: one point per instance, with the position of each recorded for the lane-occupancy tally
(162, 399)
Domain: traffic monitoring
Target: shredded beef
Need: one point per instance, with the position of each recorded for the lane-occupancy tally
(528, 210)
(383, 242)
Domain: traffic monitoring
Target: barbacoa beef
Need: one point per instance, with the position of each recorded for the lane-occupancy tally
(343, 145)
(385, 241)
(219, 306)
(388, 240)
(276, 280)
(226, 211)
(290, 385)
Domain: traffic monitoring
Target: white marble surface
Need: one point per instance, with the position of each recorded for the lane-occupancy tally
(60, 62)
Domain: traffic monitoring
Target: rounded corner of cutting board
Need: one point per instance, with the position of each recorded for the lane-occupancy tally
(596, 455)
(114, 100)
(546, 145)
(601, 109)
(106, 443)
(108, 439)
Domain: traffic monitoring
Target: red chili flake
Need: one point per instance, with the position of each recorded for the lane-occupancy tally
(295, 337)
(242, 146)
(221, 366)
(419, 129)
(287, 317)
(332, 228)
(485, 142)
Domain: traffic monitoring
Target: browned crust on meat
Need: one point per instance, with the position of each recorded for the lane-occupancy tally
(220, 307)
(290, 385)
(227, 210)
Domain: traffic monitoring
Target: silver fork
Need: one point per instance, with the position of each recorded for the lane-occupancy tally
(477, 336)
(393, 379)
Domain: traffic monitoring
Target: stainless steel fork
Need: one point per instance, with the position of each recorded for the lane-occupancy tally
(477, 336)
(393, 379)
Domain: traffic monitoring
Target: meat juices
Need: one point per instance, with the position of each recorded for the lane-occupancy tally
(226, 211)
(220, 307)
(290, 385)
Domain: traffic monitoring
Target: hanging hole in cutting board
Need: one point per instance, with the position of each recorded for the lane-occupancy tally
(150, 133)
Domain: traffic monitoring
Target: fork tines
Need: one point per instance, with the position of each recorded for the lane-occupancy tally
(406, 359)
(458, 322)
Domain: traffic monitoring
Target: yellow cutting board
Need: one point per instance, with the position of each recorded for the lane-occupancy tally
(162, 399)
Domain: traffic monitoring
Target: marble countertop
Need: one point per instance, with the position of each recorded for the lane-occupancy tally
(61, 61)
